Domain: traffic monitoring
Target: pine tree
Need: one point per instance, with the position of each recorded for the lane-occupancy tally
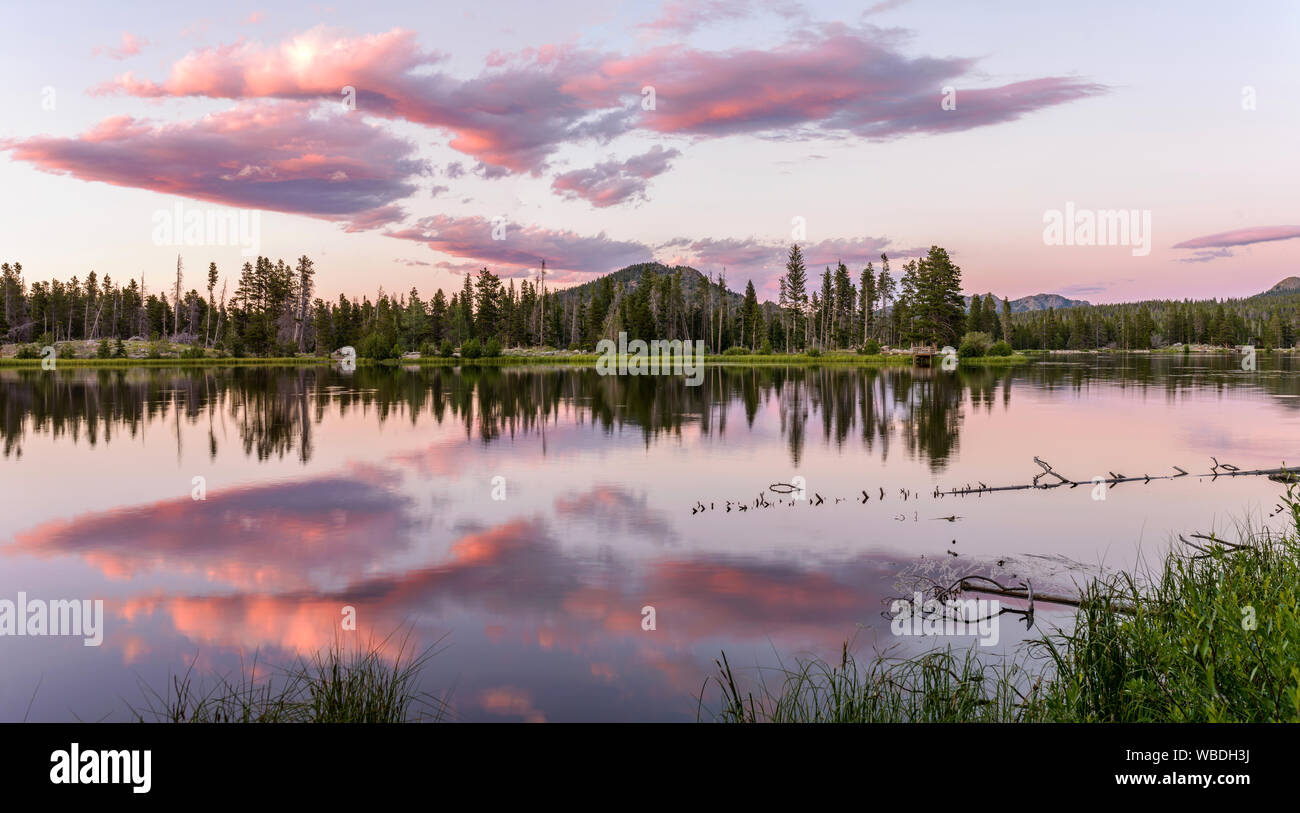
(989, 322)
(885, 288)
(975, 321)
(465, 318)
(796, 283)
(487, 301)
(867, 294)
(750, 317)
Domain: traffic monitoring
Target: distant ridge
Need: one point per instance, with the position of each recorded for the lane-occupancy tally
(630, 276)
(1041, 302)
(1290, 285)
(1038, 302)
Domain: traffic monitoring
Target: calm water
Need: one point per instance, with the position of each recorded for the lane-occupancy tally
(375, 489)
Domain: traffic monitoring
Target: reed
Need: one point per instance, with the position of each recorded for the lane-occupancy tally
(340, 684)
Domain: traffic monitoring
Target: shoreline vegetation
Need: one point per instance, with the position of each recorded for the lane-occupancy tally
(522, 357)
(167, 354)
(1209, 637)
(339, 684)
(174, 357)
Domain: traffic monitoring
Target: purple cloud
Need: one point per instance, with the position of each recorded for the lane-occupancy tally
(828, 79)
(521, 249)
(613, 182)
(1242, 237)
(262, 156)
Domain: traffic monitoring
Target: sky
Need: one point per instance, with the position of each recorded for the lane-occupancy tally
(403, 144)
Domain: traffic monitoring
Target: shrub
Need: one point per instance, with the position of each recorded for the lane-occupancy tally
(766, 349)
(194, 351)
(427, 350)
(155, 349)
(67, 350)
(493, 348)
(28, 351)
(871, 348)
(446, 350)
(103, 350)
(735, 351)
(119, 349)
(374, 347)
(814, 351)
(1000, 348)
(471, 349)
(974, 344)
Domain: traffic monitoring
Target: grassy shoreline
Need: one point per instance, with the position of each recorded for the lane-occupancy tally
(128, 363)
(1211, 637)
(504, 360)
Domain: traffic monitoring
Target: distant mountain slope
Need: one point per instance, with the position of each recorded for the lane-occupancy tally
(1290, 285)
(1041, 302)
(692, 281)
(1038, 302)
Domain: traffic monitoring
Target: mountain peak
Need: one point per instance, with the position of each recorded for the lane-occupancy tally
(1290, 285)
(1039, 302)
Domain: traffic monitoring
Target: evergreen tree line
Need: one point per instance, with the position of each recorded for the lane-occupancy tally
(1270, 321)
(273, 311)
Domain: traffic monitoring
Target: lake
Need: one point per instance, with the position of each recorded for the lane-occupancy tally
(522, 519)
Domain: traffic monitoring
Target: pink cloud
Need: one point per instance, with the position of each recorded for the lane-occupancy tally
(523, 247)
(254, 18)
(834, 79)
(512, 116)
(1242, 237)
(681, 17)
(612, 182)
(130, 46)
(276, 157)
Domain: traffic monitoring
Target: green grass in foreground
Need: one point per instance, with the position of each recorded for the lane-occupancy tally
(1212, 637)
(338, 685)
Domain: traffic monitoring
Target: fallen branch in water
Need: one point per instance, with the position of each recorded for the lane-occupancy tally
(797, 494)
(1218, 470)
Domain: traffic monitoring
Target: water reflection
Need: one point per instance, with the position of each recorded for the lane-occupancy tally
(274, 408)
(374, 490)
